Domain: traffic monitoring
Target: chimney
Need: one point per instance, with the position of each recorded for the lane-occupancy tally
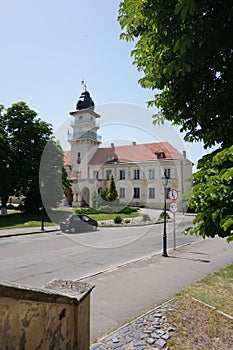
(134, 143)
(184, 154)
(112, 145)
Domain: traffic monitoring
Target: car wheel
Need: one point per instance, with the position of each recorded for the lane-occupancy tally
(73, 230)
(63, 231)
(94, 228)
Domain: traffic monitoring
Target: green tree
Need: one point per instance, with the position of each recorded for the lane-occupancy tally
(23, 139)
(5, 169)
(52, 176)
(184, 49)
(211, 196)
(112, 194)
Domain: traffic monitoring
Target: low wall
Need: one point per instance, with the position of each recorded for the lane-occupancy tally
(56, 316)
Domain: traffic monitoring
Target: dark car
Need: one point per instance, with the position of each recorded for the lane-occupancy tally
(78, 223)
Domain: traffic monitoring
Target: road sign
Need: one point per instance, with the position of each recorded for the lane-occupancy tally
(173, 207)
(173, 194)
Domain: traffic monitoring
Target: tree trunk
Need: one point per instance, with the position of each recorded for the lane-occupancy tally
(4, 205)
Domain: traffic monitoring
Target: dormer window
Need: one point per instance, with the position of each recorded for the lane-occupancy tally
(160, 155)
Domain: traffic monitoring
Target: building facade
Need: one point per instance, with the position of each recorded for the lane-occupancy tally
(137, 169)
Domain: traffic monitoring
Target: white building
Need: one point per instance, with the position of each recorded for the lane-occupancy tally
(138, 168)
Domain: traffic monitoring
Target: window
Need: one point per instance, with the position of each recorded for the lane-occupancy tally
(136, 174)
(122, 192)
(167, 173)
(96, 175)
(136, 192)
(80, 117)
(151, 174)
(108, 174)
(151, 192)
(122, 175)
(160, 155)
(79, 158)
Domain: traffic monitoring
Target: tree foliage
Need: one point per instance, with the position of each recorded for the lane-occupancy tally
(111, 194)
(184, 49)
(52, 175)
(212, 196)
(23, 137)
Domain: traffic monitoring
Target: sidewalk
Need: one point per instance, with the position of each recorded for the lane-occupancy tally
(125, 293)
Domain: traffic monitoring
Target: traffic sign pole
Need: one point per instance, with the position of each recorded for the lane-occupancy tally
(174, 231)
(173, 207)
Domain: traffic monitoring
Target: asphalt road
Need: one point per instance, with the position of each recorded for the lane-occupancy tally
(37, 259)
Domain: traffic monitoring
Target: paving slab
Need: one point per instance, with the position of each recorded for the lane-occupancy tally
(122, 294)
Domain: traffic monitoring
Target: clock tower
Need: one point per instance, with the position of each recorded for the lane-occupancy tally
(84, 140)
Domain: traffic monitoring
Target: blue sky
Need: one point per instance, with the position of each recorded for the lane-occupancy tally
(49, 46)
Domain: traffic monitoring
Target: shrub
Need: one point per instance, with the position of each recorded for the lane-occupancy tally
(145, 217)
(128, 210)
(87, 211)
(21, 207)
(161, 216)
(127, 221)
(118, 219)
(10, 206)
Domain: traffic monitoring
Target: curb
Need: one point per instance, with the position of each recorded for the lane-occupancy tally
(144, 258)
(15, 234)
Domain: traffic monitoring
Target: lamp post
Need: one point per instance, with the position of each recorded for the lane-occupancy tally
(43, 211)
(165, 182)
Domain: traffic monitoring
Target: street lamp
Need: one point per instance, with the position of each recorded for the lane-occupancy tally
(165, 182)
(43, 211)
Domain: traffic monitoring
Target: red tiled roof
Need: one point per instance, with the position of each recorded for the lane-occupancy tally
(67, 158)
(170, 151)
(133, 153)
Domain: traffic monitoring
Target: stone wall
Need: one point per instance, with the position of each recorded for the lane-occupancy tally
(54, 317)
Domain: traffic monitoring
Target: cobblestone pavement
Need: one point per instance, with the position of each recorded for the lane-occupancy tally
(150, 331)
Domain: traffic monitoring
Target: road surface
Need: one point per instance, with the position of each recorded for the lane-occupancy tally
(37, 259)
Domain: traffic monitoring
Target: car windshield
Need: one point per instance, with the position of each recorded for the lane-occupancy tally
(85, 218)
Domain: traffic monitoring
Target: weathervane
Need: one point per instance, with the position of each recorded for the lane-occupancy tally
(84, 85)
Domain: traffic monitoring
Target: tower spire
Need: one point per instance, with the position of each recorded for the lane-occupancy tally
(84, 85)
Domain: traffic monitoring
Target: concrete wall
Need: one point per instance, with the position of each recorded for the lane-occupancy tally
(53, 318)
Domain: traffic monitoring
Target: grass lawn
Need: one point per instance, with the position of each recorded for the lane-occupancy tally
(19, 220)
(197, 325)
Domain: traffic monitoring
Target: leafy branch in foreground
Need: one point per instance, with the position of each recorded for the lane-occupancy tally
(212, 196)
